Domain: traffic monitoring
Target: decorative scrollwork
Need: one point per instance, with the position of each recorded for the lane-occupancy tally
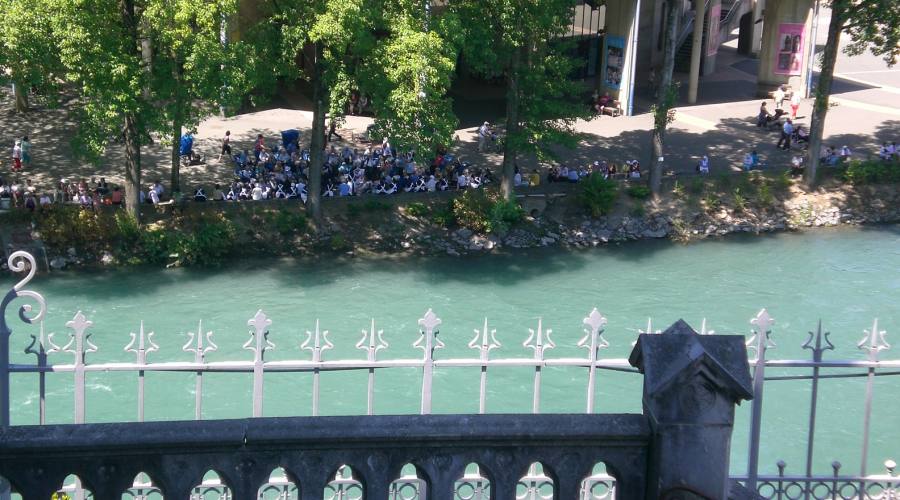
(18, 262)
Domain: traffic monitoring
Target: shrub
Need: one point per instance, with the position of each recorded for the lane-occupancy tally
(678, 191)
(472, 209)
(156, 245)
(597, 194)
(711, 201)
(444, 216)
(871, 172)
(209, 243)
(740, 203)
(504, 214)
(290, 223)
(764, 196)
(697, 185)
(63, 227)
(127, 228)
(417, 209)
(373, 205)
(638, 191)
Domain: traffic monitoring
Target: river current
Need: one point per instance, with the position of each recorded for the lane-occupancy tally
(846, 277)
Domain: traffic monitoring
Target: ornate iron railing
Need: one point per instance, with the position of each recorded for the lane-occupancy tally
(484, 341)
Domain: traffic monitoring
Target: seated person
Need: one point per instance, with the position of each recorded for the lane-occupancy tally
(117, 196)
(607, 104)
(845, 154)
(801, 136)
(200, 194)
(218, 195)
(573, 175)
(830, 157)
(797, 165)
(885, 152)
(703, 165)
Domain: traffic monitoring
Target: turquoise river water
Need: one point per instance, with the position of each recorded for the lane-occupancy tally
(846, 277)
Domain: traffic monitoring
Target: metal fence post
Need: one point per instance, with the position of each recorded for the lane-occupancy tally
(144, 346)
(484, 341)
(258, 343)
(593, 341)
(874, 343)
(195, 345)
(79, 345)
(38, 347)
(316, 342)
(371, 342)
(817, 350)
(760, 343)
(538, 341)
(428, 342)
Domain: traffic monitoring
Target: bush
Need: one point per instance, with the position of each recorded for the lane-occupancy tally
(290, 223)
(638, 191)
(764, 196)
(740, 203)
(156, 243)
(871, 172)
(417, 209)
(472, 209)
(678, 191)
(597, 194)
(444, 216)
(697, 186)
(209, 243)
(505, 214)
(63, 227)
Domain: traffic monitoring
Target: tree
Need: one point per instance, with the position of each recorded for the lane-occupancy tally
(193, 71)
(872, 25)
(337, 32)
(27, 49)
(667, 93)
(520, 40)
(409, 95)
(98, 45)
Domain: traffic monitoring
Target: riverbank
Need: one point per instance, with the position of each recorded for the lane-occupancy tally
(211, 234)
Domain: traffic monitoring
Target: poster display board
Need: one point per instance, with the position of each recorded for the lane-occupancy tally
(789, 60)
(614, 62)
(712, 37)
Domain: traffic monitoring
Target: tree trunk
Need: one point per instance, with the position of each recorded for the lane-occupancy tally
(176, 150)
(665, 98)
(317, 141)
(132, 167)
(512, 124)
(21, 98)
(823, 91)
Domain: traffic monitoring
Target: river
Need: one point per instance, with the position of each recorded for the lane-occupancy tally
(846, 277)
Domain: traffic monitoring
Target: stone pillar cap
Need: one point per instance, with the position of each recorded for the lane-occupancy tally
(663, 357)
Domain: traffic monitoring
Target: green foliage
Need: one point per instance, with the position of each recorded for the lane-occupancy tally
(444, 216)
(505, 213)
(697, 186)
(639, 191)
(872, 172)
(417, 209)
(663, 110)
(711, 201)
(156, 244)
(338, 243)
(484, 211)
(209, 243)
(678, 191)
(289, 223)
(764, 196)
(638, 210)
(65, 227)
(597, 195)
(740, 202)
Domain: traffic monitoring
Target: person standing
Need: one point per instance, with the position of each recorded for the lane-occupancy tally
(26, 152)
(226, 144)
(484, 131)
(795, 105)
(778, 96)
(786, 131)
(17, 156)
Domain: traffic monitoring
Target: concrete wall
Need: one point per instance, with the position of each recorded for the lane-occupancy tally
(620, 22)
(783, 11)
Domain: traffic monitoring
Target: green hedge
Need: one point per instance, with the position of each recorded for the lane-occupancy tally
(872, 172)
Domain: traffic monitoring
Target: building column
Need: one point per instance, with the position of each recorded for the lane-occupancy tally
(784, 55)
(619, 49)
(756, 45)
(696, 50)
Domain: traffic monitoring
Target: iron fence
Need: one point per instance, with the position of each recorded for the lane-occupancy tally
(865, 484)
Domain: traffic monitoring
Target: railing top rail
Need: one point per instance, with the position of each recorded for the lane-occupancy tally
(629, 430)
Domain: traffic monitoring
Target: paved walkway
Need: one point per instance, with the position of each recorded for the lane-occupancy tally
(866, 113)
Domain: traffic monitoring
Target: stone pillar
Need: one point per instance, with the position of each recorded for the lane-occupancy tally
(691, 385)
(712, 25)
(620, 17)
(756, 44)
(696, 50)
(777, 50)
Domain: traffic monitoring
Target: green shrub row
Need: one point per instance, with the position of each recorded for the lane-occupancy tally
(860, 172)
(485, 211)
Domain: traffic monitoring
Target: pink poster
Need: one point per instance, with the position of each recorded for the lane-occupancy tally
(789, 59)
(712, 38)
